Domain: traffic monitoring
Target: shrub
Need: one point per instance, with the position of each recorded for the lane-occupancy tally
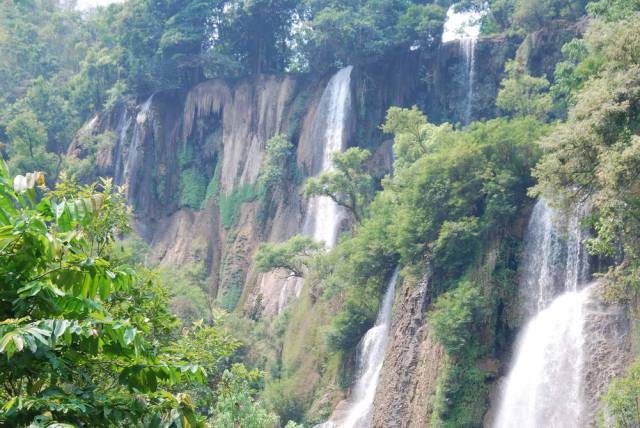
(453, 316)
(192, 188)
(230, 204)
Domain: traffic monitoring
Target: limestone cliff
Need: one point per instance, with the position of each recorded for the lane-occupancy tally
(412, 364)
(183, 154)
(191, 158)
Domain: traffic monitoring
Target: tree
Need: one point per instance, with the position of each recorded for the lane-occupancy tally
(256, 33)
(277, 159)
(352, 32)
(413, 134)
(293, 255)
(621, 401)
(236, 406)
(27, 147)
(65, 359)
(524, 95)
(595, 155)
(347, 184)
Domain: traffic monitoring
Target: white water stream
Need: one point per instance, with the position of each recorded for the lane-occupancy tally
(370, 356)
(122, 130)
(133, 156)
(468, 46)
(545, 385)
(323, 214)
(464, 27)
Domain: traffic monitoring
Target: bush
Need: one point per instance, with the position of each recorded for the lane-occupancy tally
(621, 402)
(457, 245)
(453, 316)
(357, 316)
(192, 188)
(230, 204)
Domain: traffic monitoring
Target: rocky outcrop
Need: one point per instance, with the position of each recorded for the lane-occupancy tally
(252, 112)
(608, 349)
(412, 364)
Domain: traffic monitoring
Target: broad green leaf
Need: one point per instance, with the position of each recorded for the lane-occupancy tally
(19, 342)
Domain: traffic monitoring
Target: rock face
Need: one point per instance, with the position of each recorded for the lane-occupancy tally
(412, 364)
(608, 346)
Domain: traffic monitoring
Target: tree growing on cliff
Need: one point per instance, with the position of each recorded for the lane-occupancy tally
(293, 255)
(522, 94)
(348, 184)
(412, 134)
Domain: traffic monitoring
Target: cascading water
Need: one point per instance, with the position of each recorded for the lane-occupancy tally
(464, 26)
(122, 129)
(131, 162)
(545, 385)
(468, 45)
(542, 271)
(323, 214)
(370, 357)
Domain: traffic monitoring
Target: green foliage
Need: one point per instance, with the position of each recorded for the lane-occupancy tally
(213, 188)
(482, 173)
(188, 289)
(193, 182)
(236, 406)
(211, 347)
(529, 15)
(92, 148)
(524, 95)
(572, 73)
(456, 246)
(65, 358)
(613, 10)
(277, 170)
(462, 397)
(192, 188)
(277, 159)
(230, 204)
(453, 316)
(27, 147)
(282, 397)
(356, 317)
(348, 183)
(622, 408)
(293, 255)
(594, 155)
(352, 32)
(412, 134)
(462, 187)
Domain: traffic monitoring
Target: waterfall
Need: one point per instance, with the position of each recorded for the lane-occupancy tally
(123, 127)
(544, 388)
(133, 155)
(370, 356)
(463, 26)
(541, 274)
(323, 214)
(545, 384)
(468, 46)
